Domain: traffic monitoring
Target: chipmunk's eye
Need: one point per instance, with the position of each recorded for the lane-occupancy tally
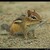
(33, 17)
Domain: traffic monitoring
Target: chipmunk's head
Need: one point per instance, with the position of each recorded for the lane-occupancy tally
(33, 14)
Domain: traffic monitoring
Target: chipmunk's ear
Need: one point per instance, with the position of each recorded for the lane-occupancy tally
(28, 12)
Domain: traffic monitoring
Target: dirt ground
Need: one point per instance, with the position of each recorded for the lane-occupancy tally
(11, 10)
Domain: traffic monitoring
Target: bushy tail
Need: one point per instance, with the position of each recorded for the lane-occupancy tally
(5, 27)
